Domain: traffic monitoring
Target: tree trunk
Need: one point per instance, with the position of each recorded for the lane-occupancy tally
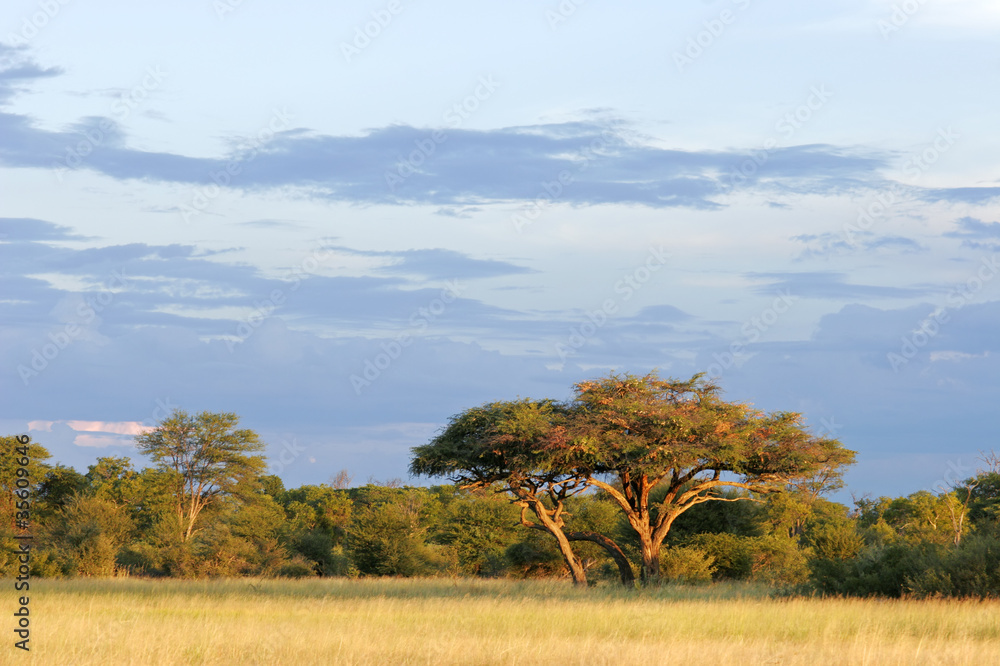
(650, 561)
(574, 563)
(554, 527)
(624, 567)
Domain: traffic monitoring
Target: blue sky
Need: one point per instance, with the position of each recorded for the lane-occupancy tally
(348, 221)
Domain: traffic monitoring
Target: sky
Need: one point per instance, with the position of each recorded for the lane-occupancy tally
(346, 222)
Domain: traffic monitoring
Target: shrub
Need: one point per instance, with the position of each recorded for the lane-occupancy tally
(732, 554)
(686, 564)
(297, 567)
(776, 559)
(388, 540)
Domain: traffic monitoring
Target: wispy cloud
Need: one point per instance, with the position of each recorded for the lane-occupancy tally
(829, 285)
(976, 234)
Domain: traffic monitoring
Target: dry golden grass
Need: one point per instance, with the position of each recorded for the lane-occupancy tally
(487, 622)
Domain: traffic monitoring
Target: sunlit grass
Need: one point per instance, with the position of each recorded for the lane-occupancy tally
(443, 621)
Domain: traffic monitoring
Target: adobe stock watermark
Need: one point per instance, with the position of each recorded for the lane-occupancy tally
(265, 307)
(954, 476)
(225, 7)
(374, 367)
(828, 427)
(900, 15)
(36, 22)
(290, 452)
(551, 191)
(750, 332)
(121, 109)
(786, 126)
(160, 413)
(371, 30)
(626, 288)
(930, 326)
(425, 148)
(246, 152)
(562, 12)
(88, 310)
(915, 166)
(712, 30)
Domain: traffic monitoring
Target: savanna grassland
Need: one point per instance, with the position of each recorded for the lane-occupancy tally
(462, 621)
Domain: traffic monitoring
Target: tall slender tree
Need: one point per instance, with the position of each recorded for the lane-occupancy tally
(208, 457)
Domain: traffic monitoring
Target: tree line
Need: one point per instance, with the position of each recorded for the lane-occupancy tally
(636, 480)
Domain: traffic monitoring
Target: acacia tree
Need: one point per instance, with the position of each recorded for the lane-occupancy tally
(632, 434)
(208, 457)
(627, 435)
(500, 445)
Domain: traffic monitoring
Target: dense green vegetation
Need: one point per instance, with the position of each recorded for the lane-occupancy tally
(117, 520)
(207, 509)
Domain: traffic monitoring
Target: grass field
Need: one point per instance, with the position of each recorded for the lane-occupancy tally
(440, 621)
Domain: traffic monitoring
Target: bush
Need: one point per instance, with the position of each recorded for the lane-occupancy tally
(732, 554)
(686, 564)
(388, 540)
(87, 536)
(297, 567)
(770, 559)
(534, 557)
(971, 569)
(478, 531)
(889, 571)
(777, 560)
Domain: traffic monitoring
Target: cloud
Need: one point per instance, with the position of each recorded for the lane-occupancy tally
(661, 313)
(955, 356)
(828, 244)
(976, 234)
(439, 264)
(16, 229)
(969, 195)
(584, 162)
(121, 287)
(573, 163)
(120, 428)
(17, 68)
(95, 434)
(102, 441)
(270, 224)
(829, 285)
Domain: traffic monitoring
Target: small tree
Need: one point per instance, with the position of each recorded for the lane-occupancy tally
(207, 456)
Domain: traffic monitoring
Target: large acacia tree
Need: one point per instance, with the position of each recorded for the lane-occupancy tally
(207, 455)
(628, 435)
